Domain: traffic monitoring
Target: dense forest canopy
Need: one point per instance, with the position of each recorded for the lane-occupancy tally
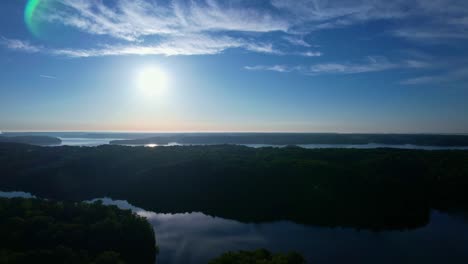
(39, 231)
(374, 188)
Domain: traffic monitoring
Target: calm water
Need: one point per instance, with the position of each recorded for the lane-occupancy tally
(194, 238)
(86, 142)
(91, 142)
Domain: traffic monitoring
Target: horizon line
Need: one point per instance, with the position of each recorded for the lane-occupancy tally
(224, 132)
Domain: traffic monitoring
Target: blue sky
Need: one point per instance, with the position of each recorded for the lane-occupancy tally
(266, 65)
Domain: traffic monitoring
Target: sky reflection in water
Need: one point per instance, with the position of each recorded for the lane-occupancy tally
(195, 238)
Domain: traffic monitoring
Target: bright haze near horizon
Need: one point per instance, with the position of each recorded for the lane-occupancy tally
(206, 65)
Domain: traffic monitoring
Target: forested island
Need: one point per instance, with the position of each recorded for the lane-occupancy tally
(298, 139)
(373, 189)
(39, 231)
(32, 139)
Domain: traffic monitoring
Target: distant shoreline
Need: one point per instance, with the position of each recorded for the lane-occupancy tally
(31, 139)
(300, 139)
(327, 140)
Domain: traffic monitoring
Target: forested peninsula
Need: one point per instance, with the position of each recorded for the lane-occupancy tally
(40, 231)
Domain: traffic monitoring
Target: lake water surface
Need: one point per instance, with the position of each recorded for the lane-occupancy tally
(194, 238)
(86, 142)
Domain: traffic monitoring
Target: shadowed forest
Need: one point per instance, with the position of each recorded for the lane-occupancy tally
(38, 231)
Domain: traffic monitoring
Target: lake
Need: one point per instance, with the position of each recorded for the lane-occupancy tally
(86, 142)
(194, 238)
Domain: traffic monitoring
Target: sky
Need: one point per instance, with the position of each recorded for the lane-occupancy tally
(364, 66)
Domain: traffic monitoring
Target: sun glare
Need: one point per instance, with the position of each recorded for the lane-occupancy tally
(152, 81)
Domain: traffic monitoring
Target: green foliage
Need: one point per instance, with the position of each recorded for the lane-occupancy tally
(260, 256)
(36, 231)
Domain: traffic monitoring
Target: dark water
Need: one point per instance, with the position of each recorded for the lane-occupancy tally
(194, 238)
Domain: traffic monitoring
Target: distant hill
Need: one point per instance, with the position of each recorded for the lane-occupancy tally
(300, 138)
(32, 140)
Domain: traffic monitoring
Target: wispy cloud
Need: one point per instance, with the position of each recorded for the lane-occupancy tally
(275, 68)
(420, 80)
(417, 64)
(181, 45)
(437, 20)
(212, 26)
(158, 28)
(133, 20)
(450, 76)
(262, 48)
(19, 45)
(338, 13)
(311, 54)
(443, 20)
(430, 35)
(47, 76)
(297, 40)
(372, 64)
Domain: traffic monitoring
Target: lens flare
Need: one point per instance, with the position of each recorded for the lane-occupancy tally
(29, 11)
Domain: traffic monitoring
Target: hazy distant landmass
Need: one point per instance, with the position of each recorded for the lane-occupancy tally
(280, 139)
(122, 135)
(374, 188)
(33, 140)
(300, 138)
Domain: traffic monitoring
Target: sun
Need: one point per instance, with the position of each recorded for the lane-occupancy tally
(152, 81)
